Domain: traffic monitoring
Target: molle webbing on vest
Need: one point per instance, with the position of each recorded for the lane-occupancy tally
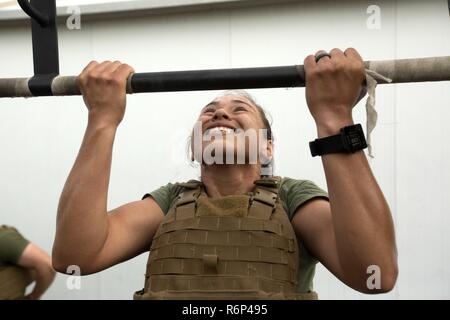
(233, 238)
(232, 247)
(235, 205)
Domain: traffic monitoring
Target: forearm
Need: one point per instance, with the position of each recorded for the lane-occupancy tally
(361, 217)
(44, 278)
(82, 223)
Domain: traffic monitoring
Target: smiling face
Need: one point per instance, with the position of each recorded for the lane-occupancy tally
(233, 124)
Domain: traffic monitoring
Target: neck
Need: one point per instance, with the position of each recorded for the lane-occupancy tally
(223, 180)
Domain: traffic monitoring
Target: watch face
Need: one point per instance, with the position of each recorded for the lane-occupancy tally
(354, 139)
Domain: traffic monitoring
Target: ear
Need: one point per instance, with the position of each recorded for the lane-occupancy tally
(269, 149)
(267, 154)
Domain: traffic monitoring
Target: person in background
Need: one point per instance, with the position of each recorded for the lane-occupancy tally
(22, 263)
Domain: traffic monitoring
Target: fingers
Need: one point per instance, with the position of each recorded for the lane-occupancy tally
(309, 63)
(337, 55)
(82, 77)
(352, 53)
(105, 73)
(91, 65)
(107, 67)
(106, 70)
(124, 71)
(324, 58)
(103, 67)
(356, 59)
(337, 58)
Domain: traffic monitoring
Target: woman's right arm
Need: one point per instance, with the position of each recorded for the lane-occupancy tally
(86, 234)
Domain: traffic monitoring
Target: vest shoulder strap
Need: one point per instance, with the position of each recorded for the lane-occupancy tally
(191, 184)
(266, 191)
(269, 183)
(264, 197)
(192, 189)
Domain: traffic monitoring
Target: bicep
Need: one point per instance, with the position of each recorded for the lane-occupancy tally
(130, 232)
(313, 224)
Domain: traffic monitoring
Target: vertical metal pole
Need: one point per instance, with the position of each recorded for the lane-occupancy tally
(45, 44)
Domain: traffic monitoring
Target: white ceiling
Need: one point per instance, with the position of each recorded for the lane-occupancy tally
(12, 5)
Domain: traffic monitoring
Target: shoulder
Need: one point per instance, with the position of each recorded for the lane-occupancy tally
(9, 232)
(290, 186)
(295, 192)
(167, 188)
(172, 188)
(167, 194)
(12, 244)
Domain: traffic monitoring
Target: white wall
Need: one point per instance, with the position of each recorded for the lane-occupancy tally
(40, 137)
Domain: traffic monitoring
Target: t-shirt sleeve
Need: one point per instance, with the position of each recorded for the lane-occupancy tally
(165, 196)
(297, 192)
(12, 245)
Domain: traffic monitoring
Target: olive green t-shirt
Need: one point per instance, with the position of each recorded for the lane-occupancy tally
(292, 192)
(12, 244)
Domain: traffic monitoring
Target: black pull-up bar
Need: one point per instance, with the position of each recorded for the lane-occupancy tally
(400, 71)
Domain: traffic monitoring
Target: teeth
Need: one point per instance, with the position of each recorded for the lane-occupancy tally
(221, 129)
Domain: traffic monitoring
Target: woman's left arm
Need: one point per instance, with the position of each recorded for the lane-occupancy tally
(355, 230)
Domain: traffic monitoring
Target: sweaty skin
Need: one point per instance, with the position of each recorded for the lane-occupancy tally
(355, 229)
(348, 234)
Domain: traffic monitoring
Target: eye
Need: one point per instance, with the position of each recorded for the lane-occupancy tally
(208, 110)
(240, 108)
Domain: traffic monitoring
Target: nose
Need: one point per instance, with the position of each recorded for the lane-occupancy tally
(221, 113)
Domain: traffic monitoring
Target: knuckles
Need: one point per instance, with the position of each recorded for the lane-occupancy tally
(347, 61)
(334, 68)
(98, 73)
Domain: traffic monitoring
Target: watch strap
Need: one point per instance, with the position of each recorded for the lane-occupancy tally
(350, 139)
(331, 144)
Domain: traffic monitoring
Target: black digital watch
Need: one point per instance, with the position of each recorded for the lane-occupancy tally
(349, 140)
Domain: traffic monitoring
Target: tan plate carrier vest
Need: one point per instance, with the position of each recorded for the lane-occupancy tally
(231, 247)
